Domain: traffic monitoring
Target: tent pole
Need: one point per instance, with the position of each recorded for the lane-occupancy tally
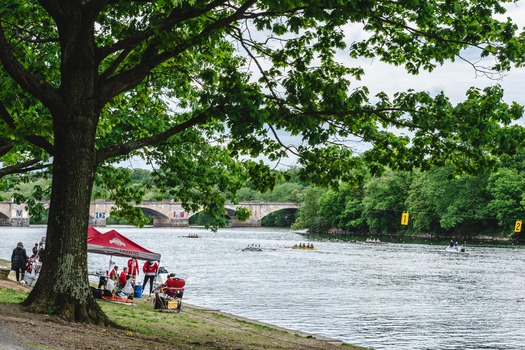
(110, 262)
(156, 274)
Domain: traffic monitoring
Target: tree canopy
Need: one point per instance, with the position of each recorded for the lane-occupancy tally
(199, 88)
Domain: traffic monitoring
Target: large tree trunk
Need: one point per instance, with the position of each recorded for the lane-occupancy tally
(63, 287)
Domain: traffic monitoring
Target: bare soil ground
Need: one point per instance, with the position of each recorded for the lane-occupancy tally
(195, 328)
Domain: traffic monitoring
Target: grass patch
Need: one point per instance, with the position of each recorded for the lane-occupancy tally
(10, 296)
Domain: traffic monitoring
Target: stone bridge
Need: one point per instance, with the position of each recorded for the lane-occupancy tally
(172, 214)
(164, 214)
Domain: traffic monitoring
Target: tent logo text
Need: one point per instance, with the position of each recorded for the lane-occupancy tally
(117, 241)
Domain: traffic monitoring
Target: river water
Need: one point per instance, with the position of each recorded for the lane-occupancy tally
(385, 296)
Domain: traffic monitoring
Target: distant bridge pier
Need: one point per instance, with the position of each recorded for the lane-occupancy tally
(248, 223)
(167, 222)
(12, 214)
(98, 222)
(17, 222)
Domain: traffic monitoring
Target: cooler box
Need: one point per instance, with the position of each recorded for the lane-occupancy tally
(29, 278)
(173, 304)
(138, 291)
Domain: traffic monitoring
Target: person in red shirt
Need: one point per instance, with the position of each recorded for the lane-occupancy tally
(133, 268)
(150, 271)
(175, 286)
(123, 278)
(112, 280)
(113, 274)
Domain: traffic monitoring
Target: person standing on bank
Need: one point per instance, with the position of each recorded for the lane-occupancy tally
(19, 260)
(133, 268)
(150, 269)
(41, 252)
(35, 249)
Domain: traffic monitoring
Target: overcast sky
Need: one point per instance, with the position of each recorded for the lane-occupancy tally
(454, 78)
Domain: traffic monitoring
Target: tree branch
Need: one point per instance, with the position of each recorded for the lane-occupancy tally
(379, 112)
(21, 168)
(6, 116)
(115, 64)
(30, 82)
(240, 38)
(174, 18)
(6, 146)
(126, 45)
(36, 140)
(30, 34)
(41, 142)
(481, 70)
(128, 147)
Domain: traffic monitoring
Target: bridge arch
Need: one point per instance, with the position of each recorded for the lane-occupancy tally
(4, 220)
(258, 210)
(280, 218)
(159, 219)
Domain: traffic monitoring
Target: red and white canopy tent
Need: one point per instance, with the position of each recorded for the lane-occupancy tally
(93, 232)
(115, 244)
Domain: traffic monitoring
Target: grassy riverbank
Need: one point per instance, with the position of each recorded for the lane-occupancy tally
(194, 328)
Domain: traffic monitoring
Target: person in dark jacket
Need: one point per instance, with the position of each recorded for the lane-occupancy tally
(41, 252)
(35, 249)
(19, 260)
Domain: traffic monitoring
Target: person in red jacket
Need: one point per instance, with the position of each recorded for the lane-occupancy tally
(123, 277)
(150, 269)
(133, 268)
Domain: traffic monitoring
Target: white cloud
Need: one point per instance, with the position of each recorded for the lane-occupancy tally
(454, 79)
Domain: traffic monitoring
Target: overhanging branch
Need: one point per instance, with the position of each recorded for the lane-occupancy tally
(24, 167)
(151, 57)
(30, 82)
(175, 17)
(36, 140)
(128, 147)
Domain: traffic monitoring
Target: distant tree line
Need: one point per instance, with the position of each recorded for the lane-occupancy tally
(439, 202)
